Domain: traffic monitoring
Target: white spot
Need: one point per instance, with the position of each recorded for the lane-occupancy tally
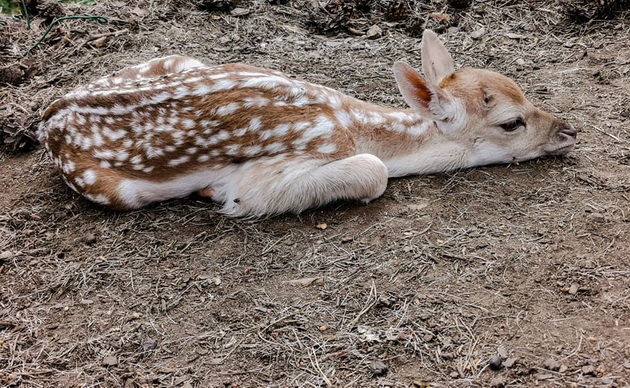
(303, 100)
(253, 150)
(400, 116)
(279, 130)
(188, 123)
(268, 82)
(232, 149)
(257, 102)
(105, 164)
(343, 118)
(275, 147)
(122, 155)
(192, 150)
(227, 109)
(334, 100)
(322, 126)
(255, 124)
(104, 154)
(99, 198)
(418, 129)
(169, 149)
(327, 148)
(136, 159)
(178, 161)
(69, 166)
(302, 125)
(89, 176)
(86, 144)
(203, 158)
(114, 135)
(181, 92)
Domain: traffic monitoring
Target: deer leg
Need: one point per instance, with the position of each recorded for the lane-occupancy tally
(267, 188)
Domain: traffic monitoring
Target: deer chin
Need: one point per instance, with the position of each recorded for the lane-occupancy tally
(562, 150)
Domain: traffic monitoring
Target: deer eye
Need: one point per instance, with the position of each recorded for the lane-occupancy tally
(513, 125)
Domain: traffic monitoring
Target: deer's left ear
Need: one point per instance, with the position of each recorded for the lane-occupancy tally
(427, 99)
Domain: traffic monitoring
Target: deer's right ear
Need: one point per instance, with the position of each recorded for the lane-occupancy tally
(436, 61)
(429, 100)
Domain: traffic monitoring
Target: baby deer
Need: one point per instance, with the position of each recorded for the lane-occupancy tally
(263, 143)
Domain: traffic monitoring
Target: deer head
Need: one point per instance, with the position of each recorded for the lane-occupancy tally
(483, 111)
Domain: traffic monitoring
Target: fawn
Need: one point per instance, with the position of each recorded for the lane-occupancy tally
(263, 143)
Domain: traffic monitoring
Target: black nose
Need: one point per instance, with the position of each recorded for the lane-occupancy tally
(567, 130)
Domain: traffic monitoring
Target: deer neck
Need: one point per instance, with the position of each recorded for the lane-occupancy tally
(406, 142)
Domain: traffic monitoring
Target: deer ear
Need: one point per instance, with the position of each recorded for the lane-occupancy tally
(436, 61)
(427, 99)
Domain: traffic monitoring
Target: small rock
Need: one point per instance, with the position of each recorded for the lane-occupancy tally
(6, 255)
(149, 345)
(563, 368)
(379, 368)
(90, 238)
(110, 361)
(589, 370)
(551, 364)
(321, 226)
(543, 376)
(573, 289)
(512, 35)
(478, 33)
(454, 375)
(502, 352)
(509, 362)
(495, 362)
(374, 32)
(304, 282)
(239, 12)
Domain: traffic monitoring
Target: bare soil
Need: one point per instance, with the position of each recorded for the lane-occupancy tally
(498, 276)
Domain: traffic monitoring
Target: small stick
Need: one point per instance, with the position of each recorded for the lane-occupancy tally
(606, 133)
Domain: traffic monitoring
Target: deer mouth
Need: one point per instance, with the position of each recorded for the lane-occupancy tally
(562, 150)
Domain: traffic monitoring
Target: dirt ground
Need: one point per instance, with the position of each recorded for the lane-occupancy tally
(499, 276)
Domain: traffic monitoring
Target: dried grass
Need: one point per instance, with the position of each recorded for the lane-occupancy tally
(430, 280)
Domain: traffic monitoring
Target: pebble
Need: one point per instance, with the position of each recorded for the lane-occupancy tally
(588, 370)
(110, 361)
(374, 32)
(495, 362)
(478, 33)
(551, 364)
(379, 368)
(509, 362)
(149, 345)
